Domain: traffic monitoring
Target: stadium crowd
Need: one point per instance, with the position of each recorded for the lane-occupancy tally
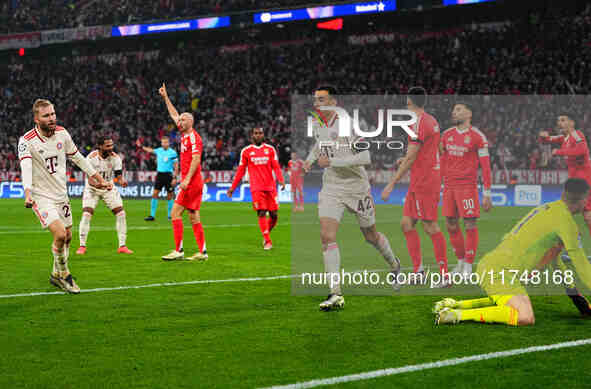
(545, 55)
(36, 15)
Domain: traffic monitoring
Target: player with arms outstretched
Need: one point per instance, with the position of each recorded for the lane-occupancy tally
(43, 152)
(422, 199)
(109, 165)
(530, 245)
(191, 187)
(261, 160)
(167, 170)
(345, 185)
(573, 146)
(463, 148)
(296, 180)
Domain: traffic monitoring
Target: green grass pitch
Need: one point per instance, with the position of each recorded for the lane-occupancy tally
(246, 334)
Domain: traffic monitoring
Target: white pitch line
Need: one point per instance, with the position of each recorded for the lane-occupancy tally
(252, 279)
(196, 282)
(431, 365)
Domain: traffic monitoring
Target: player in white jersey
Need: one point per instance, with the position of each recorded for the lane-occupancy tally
(42, 152)
(109, 165)
(345, 185)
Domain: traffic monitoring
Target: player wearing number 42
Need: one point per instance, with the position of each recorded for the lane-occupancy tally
(345, 185)
(110, 167)
(532, 244)
(43, 152)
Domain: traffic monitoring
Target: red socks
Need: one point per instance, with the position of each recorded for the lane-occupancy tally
(440, 249)
(471, 244)
(413, 243)
(199, 236)
(456, 238)
(177, 228)
(264, 225)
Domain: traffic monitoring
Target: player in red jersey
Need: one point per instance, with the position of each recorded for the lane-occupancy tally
(422, 199)
(573, 146)
(191, 187)
(463, 148)
(261, 161)
(296, 180)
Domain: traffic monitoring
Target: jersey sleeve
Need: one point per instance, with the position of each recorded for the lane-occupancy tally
(197, 146)
(70, 147)
(175, 156)
(571, 239)
(276, 167)
(484, 161)
(117, 163)
(23, 149)
(241, 169)
(421, 135)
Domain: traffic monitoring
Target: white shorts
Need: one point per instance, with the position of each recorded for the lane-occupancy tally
(48, 211)
(333, 205)
(112, 198)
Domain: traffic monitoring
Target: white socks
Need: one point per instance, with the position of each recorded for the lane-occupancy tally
(121, 225)
(60, 261)
(383, 246)
(84, 228)
(332, 265)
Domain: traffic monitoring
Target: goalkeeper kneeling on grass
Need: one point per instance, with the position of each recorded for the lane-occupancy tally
(533, 243)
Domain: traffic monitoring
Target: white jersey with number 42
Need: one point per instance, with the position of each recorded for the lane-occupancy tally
(106, 167)
(49, 161)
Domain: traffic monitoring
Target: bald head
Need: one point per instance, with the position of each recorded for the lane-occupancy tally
(186, 121)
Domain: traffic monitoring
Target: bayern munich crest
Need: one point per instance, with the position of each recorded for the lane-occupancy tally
(44, 215)
(59, 145)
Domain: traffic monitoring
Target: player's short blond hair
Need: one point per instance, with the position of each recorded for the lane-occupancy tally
(39, 103)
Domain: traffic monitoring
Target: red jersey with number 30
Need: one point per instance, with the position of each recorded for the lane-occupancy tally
(425, 175)
(462, 150)
(191, 144)
(261, 161)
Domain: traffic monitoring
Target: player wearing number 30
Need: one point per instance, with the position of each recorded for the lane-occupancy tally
(463, 148)
(345, 185)
(109, 166)
(42, 152)
(532, 244)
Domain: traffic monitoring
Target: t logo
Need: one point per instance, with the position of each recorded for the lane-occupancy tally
(51, 164)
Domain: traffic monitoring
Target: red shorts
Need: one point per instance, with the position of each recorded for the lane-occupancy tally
(265, 201)
(190, 198)
(461, 202)
(421, 206)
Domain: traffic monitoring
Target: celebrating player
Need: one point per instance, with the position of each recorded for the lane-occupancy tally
(462, 148)
(261, 160)
(166, 163)
(109, 165)
(530, 245)
(296, 180)
(573, 146)
(422, 199)
(191, 187)
(42, 152)
(345, 185)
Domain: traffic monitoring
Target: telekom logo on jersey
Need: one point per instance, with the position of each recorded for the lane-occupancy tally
(345, 122)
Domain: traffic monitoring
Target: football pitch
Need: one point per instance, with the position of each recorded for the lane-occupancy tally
(233, 322)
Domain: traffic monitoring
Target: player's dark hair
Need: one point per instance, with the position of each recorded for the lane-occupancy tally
(418, 96)
(165, 137)
(465, 104)
(254, 128)
(567, 114)
(575, 189)
(103, 138)
(332, 91)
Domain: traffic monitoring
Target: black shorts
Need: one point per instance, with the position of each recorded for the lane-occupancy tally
(163, 180)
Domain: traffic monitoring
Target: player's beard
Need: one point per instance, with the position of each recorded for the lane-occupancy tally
(46, 129)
